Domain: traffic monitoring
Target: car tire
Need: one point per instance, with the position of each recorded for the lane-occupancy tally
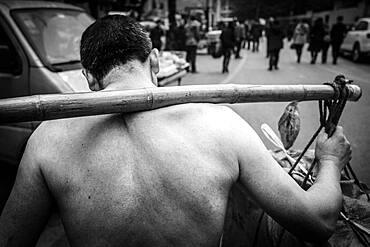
(356, 53)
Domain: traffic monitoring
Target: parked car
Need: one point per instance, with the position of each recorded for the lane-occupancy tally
(39, 53)
(357, 41)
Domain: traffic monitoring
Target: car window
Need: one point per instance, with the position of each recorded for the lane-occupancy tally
(55, 34)
(361, 26)
(10, 62)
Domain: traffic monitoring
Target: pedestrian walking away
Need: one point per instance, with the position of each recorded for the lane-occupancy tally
(156, 34)
(256, 32)
(228, 43)
(268, 25)
(326, 41)
(192, 38)
(275, 36)
(337, 34)
(317, 34)
(248, 34)
(239, 37)
(159, 177)
(299, 39)
(180, 36)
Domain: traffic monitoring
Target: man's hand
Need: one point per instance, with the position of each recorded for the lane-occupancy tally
(335, 149)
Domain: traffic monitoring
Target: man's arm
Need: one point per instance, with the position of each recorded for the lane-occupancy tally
(28, 207)
(310, 214)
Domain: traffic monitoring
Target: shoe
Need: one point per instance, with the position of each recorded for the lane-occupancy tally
(276, 67)
(227, 70)
(334, 62)
(269, 69)
(312, 62)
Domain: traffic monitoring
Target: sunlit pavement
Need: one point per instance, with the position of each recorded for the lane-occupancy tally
(252, 69)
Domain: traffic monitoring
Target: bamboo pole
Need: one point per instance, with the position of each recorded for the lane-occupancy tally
(55, 106)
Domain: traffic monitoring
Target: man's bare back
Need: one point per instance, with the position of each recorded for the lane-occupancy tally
(155, 178)
(161, 177)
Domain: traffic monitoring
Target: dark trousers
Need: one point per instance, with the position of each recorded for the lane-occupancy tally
(238, 48)
(298, 49)
(324, 54)
(314, 54)
(274, 58)
(225, 62)
(191, 55)
(335, 51)
(256, 44)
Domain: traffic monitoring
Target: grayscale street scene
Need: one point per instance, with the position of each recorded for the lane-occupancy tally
(184, 123)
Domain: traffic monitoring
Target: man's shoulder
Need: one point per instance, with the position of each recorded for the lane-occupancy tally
(201, 111)
(51, 135)
(211, 116)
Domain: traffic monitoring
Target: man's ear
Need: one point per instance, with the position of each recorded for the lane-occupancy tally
(154, 60)
(93, 83)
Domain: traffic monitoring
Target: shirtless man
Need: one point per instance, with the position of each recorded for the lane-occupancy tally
(161, 177)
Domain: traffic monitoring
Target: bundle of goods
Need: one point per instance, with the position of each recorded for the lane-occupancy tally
(170, 63)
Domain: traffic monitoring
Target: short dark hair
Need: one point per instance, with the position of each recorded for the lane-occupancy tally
(340, 18)
(111, 41)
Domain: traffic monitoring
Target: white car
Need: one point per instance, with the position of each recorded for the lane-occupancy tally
(357, 40)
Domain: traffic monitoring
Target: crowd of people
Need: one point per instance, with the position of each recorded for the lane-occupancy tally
(236, 35)
(320, 37)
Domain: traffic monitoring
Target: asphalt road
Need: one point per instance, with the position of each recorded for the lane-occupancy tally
(252, 69)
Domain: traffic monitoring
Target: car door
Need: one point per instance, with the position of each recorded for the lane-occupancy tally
(359, 34)
(14, 82)
(349, 40)
(364, 37)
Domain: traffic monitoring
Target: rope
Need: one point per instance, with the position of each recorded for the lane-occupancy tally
(330, 112)
(335, 109)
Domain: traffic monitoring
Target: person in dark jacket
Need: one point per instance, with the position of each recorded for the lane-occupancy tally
(316, 39)
(192, 39)
(239, 30)
(155, 35)
(337, 34)
(180, 36)
(275, 37)
(256, 32)
(228, 42)
(326, 41)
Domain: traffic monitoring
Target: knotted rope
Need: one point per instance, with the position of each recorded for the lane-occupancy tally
(330, 113)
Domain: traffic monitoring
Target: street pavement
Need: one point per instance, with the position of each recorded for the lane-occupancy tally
(252, 69)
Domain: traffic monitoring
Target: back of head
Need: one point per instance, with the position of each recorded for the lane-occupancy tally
(340, 19)
(112, 41)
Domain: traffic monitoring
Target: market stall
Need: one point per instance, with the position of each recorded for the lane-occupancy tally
(172, 67)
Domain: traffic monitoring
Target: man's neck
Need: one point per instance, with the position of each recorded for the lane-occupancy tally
(125, 78)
